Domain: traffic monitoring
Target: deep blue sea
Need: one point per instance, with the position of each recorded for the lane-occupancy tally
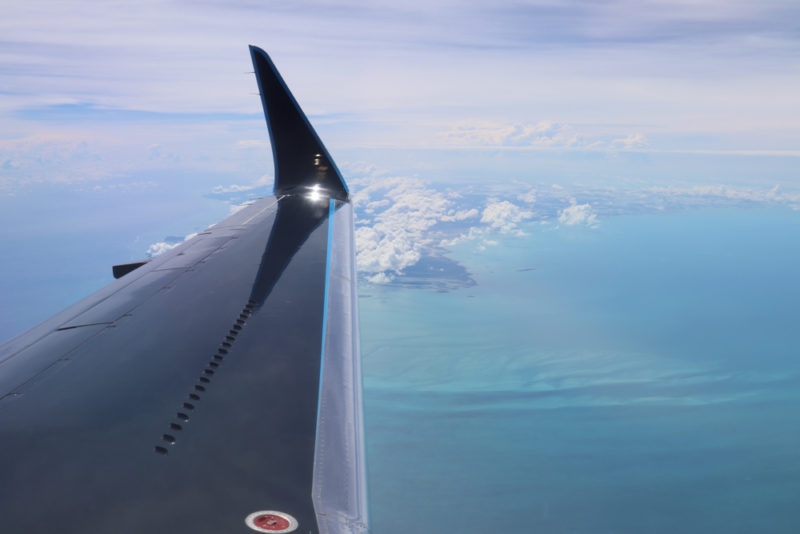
(638, 377)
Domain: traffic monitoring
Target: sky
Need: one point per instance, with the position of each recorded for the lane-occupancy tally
(125, 126)
(686, 76)
(122, 115)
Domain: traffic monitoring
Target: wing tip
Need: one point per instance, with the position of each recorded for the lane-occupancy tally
(301, 159)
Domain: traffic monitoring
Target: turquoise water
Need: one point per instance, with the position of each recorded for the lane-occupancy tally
(642, 376)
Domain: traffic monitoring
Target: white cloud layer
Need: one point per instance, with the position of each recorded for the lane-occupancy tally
(402, 220)
(542, 134)
(774, 194)
(663, 67)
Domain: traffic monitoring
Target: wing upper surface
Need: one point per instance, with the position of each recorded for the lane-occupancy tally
(217, 380)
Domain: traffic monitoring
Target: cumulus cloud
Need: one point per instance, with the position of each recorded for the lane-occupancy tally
(577, 214)
(460, 215)
(397, 236)
(156, 249)
(399, 221)
(528, 197)
(503, 216)
(380, 278)
(239, 207)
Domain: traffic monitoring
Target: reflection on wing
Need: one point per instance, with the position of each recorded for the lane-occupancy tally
(296, 218)
(216, 388)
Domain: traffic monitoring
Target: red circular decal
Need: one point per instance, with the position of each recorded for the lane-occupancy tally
(271, 522)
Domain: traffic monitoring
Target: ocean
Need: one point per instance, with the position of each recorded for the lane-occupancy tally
(641, 376)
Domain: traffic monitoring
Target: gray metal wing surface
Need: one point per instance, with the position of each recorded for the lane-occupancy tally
(216, 388)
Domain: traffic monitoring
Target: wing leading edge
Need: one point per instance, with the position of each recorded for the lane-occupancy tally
(217, 383)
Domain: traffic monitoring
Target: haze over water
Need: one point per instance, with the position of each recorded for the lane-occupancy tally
(641, 376)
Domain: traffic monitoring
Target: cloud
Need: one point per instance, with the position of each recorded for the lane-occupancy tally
(239, 207)
(400, 221)
(673, 66)
(577, 214)
(528, 197)
(380, 278)
(264, 181)
(774, 194)
(471, 234)
(484, 133)
(398, 235)
(156, 249)
(460, 215)
(637, 140)
(375, 205)
(541, 135)
(87, 148)
(503, 216)
(52, 157)
(253, 143)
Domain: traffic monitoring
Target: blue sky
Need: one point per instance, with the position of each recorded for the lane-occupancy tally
(131, 124)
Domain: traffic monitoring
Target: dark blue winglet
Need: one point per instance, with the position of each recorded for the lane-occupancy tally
(301, 160)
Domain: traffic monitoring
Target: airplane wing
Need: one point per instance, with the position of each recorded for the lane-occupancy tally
(214, 389)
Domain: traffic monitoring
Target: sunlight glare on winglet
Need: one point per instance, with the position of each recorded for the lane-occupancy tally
(315, 194)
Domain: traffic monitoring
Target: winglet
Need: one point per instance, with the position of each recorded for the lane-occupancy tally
(301, 160)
